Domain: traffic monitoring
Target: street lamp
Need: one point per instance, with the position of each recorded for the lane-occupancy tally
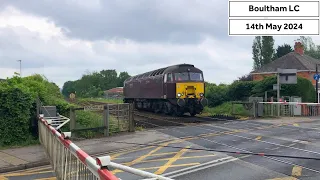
(20, 67)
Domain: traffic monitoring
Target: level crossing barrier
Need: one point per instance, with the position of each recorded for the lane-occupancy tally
(70, 162)
(291, 109)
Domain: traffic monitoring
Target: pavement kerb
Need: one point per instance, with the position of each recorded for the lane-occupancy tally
(24, 166)
(47, 162)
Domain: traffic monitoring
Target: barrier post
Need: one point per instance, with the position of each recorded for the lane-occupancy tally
(106, 120)
(73, 121)
(131, 119)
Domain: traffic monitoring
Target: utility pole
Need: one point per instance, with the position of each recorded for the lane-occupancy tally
(278, 92)
(20, 67)
(317, 81)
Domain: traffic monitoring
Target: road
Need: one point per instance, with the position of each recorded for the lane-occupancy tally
(291, 139)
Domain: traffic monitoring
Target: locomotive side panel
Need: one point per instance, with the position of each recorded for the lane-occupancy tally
(151, 88)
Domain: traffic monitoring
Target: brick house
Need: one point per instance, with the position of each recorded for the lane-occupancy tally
(114, 92)
(305, 65)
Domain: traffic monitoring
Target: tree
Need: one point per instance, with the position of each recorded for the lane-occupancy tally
(68, 88)
(262, 51)
(283, 50)
(267, 51)
(122, 77)
(256, 52)
(247, 77)
(309, 47)
(92, 84)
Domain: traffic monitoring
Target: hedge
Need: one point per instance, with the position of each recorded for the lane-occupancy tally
(241, 90)
(303, 89)
(15, 111)
(18, 121)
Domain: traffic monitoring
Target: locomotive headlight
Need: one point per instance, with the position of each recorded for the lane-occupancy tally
(201, 94)
(179, 94)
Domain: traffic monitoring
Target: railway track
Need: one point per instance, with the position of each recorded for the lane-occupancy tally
(149, 120)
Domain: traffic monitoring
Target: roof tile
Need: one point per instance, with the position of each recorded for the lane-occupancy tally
(291, 60)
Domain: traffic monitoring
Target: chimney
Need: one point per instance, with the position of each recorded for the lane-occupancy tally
(298, 48)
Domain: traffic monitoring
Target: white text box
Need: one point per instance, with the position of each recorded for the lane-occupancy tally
(273, 27)
(273, 9)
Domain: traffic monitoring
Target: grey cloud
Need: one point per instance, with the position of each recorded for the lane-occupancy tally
(140, 20)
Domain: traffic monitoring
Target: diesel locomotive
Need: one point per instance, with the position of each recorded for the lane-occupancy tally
(173, 90)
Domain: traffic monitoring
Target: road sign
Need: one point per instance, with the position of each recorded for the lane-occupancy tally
(72, 96)
(287, 76)
(316, 76)
(275, 87)
(93, 108)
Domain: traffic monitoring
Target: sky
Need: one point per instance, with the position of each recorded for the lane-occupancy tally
(64, 39)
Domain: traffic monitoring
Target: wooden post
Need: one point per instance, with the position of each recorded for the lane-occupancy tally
(254, 103)
(131, 120)
(38, 107)
(106, 120)
(72, 121)
(232, 111)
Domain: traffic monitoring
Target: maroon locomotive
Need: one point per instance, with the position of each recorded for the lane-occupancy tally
(174, 90)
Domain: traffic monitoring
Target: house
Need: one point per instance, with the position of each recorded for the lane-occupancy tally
(305, 65)
(114, 92)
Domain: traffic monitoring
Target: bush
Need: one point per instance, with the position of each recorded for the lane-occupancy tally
(303, 89)
(18, 104)
(226, 109)
(216, 95)
(15, 112)
(240, 90)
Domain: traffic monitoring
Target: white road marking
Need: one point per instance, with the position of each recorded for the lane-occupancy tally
(200, 167)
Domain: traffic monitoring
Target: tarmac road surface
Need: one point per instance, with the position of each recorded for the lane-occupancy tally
(292, 139)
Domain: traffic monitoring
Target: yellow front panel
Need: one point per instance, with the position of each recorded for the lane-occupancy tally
(189, 89)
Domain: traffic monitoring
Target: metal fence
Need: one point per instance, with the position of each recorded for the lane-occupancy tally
(290, 109)
(120, 117)
(115, 118)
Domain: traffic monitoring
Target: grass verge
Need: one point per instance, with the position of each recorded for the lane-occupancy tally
(226, 109)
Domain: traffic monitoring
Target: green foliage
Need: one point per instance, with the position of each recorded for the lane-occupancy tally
(87, 119)
(15, 111)
(303, 89)
(283, 50)
(94, 84)
(226, 108)
(262, 51)
(256, 52)
(216, 95)
(267, 52)
(310, 48)
(18, 108)
(240, 90)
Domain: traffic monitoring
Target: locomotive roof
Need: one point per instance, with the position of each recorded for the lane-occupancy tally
(169, 69)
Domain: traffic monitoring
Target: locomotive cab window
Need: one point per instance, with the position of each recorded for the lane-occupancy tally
(195, 76)
(169, 77)
(181, 76)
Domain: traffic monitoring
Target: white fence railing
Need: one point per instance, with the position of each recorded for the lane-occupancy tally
(290, 109)
(67, 159)
(70, 162)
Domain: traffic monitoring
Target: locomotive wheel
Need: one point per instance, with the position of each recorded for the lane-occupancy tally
(167, 108)
(156, 107)
(193, 114)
